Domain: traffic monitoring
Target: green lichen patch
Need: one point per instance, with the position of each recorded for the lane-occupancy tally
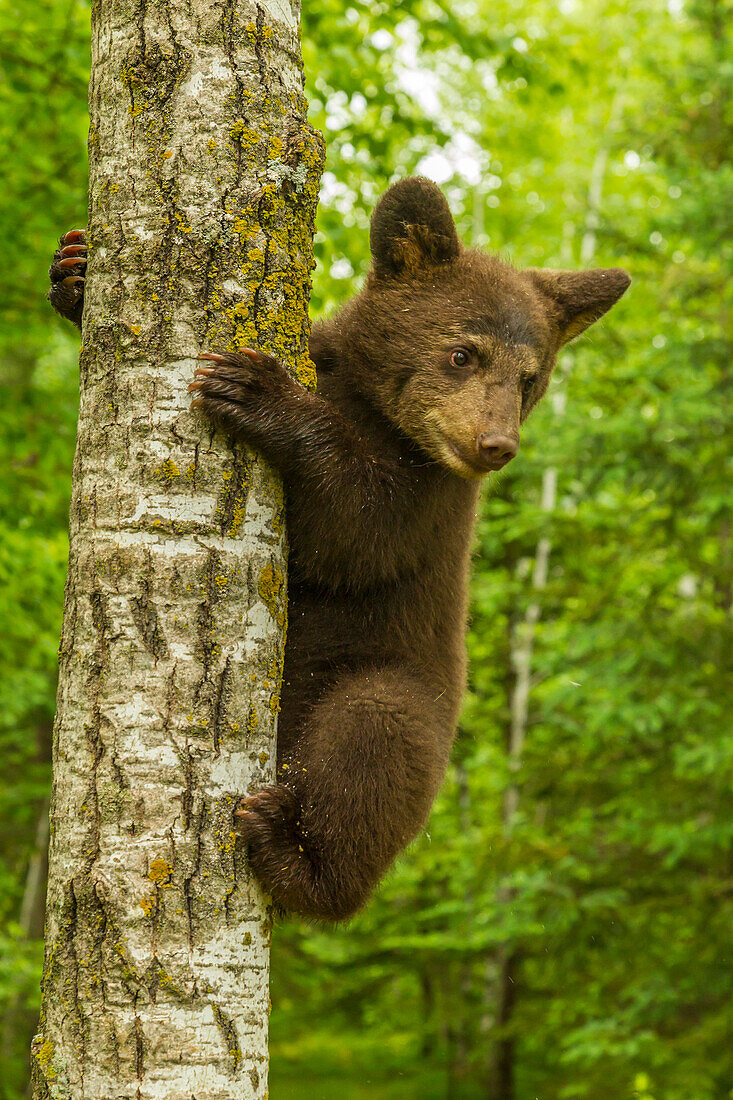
(271, 587)
(232, 503)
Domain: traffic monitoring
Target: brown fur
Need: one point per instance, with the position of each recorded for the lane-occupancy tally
(382, 468)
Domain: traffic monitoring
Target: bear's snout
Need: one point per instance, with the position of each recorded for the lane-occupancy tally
(494, 451)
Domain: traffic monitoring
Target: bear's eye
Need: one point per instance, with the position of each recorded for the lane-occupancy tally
(459, 357)
(527, 387)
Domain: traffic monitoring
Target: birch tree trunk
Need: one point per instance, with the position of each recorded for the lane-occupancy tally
(204, 182)
(502, 1068)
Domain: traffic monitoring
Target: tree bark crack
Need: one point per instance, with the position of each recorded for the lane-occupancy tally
(228, 1030)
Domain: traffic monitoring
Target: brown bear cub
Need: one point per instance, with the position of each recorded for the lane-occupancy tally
(423, 381)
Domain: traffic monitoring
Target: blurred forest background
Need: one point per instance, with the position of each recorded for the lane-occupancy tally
(564, 929)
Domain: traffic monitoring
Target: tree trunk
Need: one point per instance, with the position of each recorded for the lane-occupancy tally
(501, 1071)
(19, 1023)
(204, 182)
(459, 1062)
(502, 1079)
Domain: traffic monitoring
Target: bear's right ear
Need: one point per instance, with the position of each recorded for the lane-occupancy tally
(578, 298)
(412, 228)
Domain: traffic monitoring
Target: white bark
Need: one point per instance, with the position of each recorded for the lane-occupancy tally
(33, 905)
(522, 649)
(502, 971)
(204, 180)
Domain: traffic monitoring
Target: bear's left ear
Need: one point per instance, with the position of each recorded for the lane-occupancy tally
(578, 298)
(412, 227)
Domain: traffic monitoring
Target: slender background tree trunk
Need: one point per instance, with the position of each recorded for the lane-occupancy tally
(204, 182)
(502, 1067)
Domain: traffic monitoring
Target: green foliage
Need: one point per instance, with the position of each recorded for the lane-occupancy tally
(606, 903)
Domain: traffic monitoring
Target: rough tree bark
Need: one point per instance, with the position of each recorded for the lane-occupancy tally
(203, 186)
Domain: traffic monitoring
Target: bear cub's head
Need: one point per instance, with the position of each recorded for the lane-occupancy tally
(456, 347)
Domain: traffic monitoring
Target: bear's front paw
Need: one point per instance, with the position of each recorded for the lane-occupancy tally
(238, 388)
(67, 273)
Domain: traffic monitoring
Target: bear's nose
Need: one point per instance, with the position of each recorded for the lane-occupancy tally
(494, 451)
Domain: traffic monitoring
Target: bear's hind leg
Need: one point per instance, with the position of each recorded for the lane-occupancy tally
(356, 787)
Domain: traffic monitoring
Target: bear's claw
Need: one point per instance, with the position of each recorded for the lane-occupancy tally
(67, 290)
